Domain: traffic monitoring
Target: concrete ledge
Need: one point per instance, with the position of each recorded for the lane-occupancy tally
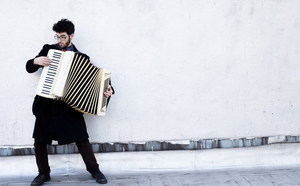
(155, 145)
(158, 161)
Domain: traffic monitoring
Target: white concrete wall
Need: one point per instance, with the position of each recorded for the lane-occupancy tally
(189, 69)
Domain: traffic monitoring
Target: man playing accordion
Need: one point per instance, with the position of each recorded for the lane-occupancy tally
(55, 120)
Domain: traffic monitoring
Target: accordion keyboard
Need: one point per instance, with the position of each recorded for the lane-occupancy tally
(48, 75)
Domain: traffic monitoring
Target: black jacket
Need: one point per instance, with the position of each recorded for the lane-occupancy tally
(55, 120)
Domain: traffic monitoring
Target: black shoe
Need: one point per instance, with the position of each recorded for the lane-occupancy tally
(100, 178)
(40, 179)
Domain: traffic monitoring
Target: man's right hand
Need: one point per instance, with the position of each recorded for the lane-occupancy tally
(42, 61)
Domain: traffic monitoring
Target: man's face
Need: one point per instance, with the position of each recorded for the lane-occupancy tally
(64, 40)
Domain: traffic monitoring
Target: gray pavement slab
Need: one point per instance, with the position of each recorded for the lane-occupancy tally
(278, 176)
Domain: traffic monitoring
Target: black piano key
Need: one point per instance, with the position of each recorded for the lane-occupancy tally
(45, 84)
(50, 75)
(56, 56)
(50, 81)
(51, 72)
(53, 66)
(47, 88)
(45, 91)
(49, 78)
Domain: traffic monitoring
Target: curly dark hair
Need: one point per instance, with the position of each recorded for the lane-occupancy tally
(64, 25)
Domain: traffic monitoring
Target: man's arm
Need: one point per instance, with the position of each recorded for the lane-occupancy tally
(40, 60)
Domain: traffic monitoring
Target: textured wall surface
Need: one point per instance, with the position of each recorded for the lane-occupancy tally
(193, 69)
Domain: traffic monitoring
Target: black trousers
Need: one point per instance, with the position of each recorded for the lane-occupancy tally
(84, 147)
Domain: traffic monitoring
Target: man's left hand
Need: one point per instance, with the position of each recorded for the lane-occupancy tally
(108, 91)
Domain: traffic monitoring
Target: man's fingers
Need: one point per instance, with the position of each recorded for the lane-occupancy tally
(46, 61)
(107, 93)
(43, 61)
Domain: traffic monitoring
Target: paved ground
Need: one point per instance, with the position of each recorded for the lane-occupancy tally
(280, 176)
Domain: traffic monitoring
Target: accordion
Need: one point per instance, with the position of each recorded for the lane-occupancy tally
(72, 78)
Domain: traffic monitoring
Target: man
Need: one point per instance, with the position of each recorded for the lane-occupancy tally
(55, 120)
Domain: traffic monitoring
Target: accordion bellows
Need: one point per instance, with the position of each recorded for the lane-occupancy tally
(72, 78)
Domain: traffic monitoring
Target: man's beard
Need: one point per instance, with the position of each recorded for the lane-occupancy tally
(66, 44)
